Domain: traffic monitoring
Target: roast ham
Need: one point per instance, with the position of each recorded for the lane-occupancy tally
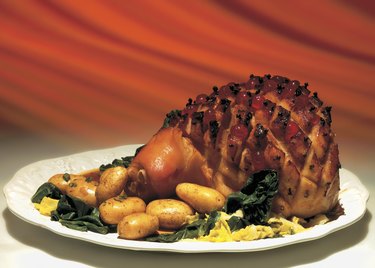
(219, 139)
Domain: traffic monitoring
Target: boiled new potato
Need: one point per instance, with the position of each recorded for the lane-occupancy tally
(137, 226)
(113, 210)
(61, 181)
(92, 173)
(82, 188)
(202, 199)
(172, 214)
(111, 183)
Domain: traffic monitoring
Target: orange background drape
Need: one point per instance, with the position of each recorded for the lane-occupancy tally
(105, 73)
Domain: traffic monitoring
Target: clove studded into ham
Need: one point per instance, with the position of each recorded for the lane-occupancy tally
(220, 139)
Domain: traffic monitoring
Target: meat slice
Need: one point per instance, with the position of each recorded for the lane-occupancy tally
(221, 138)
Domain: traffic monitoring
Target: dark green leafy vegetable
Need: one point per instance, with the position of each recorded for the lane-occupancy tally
(85, 226)
(195, 229)
(211, 221)
(124, 161)
(172, 115)
(139, 149)
(46, 189)
(72, 212)
(235, 223)
(192, 230)
(66, 177)
(69, 204)
(75, 214)
(255, 199)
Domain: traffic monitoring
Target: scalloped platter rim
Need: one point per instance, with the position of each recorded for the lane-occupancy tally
(18, 191)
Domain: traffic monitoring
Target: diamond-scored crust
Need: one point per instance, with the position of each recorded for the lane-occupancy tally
(288, 129)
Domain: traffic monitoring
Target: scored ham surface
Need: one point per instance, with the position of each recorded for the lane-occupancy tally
(220, 139)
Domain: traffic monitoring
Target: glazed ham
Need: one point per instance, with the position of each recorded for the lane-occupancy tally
(220, 139)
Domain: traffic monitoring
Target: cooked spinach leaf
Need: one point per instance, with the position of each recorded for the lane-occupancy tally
(255, 199)
(193, 230)
(72, 212)
(235, 223)
(46, 189)
(75, 214)
(124, 161)
(66, 177)
(139, 149)
(84, 226)
(68, 204)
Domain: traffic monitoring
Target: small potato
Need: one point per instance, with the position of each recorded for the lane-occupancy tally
(111, 183)
(171, 213)
(62, 181)
(92, 173)
(202, 199)
(137, 226)
(83, 188)
(113, 210)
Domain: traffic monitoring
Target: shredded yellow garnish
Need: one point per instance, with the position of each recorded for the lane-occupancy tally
(253, 232)
(220, 233)
(277, 226)
(46, 206)
(282, 226)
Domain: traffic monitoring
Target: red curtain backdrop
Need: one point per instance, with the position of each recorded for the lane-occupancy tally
(106, 72)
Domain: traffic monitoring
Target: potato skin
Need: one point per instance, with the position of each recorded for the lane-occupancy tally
(137, 226)
(92, 173)
(83, 188)
(171, 213)
(112, 183)
(113, 210)
(61, 181)
(202, 199)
